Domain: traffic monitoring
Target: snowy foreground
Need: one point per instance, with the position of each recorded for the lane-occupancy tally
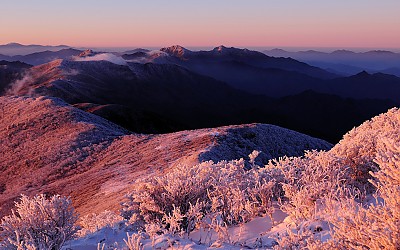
(344, 198)
(254, 234)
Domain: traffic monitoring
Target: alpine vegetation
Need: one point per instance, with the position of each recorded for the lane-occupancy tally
(344, 198)
(347, 197)
(39, 223)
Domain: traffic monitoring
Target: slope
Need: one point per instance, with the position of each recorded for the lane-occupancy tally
(51, 147)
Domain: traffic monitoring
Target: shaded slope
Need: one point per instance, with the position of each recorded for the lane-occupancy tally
(160, 98)
(325, 115)
(133, 119)
(168, 91)
(364, 85)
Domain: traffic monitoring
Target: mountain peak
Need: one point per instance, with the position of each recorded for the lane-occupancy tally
(175, 50)
(14, 44)
(342, 51)
(363, 73)
(220, 48)
(87, 52)
(278, 50)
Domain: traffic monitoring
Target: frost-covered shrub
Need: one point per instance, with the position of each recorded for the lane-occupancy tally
(39, 223)
(306, 180)
(158, 197)
(181, 198)
(93, 222)
(334, 186)
(329, 187)
(358, 147)
(133, 242)
(367, 154)
(376, 225)
(240, 195)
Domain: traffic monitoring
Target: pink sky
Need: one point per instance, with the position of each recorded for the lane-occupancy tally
(104, 23)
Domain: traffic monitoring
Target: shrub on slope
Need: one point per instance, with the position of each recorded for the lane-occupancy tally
(39, 223)
(327, 186)
(335, 186)
(224, 189)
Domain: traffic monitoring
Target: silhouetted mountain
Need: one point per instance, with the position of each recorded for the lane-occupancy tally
(167, 97)
(200, 60)
(325, 115)
(13, 49)
(47, 56)
(242, 69)
(168, 90)
(365, 85)
(344, 61)
(391, 71)
(136, 56)
(133, 51)
(277, 77)
(43, 57)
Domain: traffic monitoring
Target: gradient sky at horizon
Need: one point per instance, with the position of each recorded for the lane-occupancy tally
(152, 23)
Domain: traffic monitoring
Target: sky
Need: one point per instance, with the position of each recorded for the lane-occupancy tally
(202, 23)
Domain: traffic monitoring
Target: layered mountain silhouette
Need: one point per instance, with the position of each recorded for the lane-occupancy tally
(256, 73)
(174, 89)
(75, 153)
(38, 58)
(13, 49)
(346, 62)
(243, 69)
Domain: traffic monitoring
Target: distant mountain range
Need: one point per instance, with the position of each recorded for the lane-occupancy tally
(38, 58)
(166, 97)
(346, 62)
(174, 88)
(257, 73)
(13, 49)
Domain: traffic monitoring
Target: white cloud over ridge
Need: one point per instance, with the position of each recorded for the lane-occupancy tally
(103, 57)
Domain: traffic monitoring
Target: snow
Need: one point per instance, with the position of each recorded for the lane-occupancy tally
(249, 235)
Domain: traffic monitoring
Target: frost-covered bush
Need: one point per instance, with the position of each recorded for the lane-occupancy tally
(330, 187)
(39, 223)
(133, 242)
(375, 225)
(180, 199)
(240, 195)
(306, 180)
(333, 186)
(93, 222)
(158, 197)
(358, 147)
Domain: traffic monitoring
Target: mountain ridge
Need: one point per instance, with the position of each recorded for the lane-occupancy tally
(72, 152)
(173, 95)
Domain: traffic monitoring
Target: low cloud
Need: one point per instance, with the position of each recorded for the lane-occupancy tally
(17, 86)
(103, 57)
(71, 72)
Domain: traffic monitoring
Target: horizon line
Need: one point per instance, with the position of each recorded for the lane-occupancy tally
(209, 46)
